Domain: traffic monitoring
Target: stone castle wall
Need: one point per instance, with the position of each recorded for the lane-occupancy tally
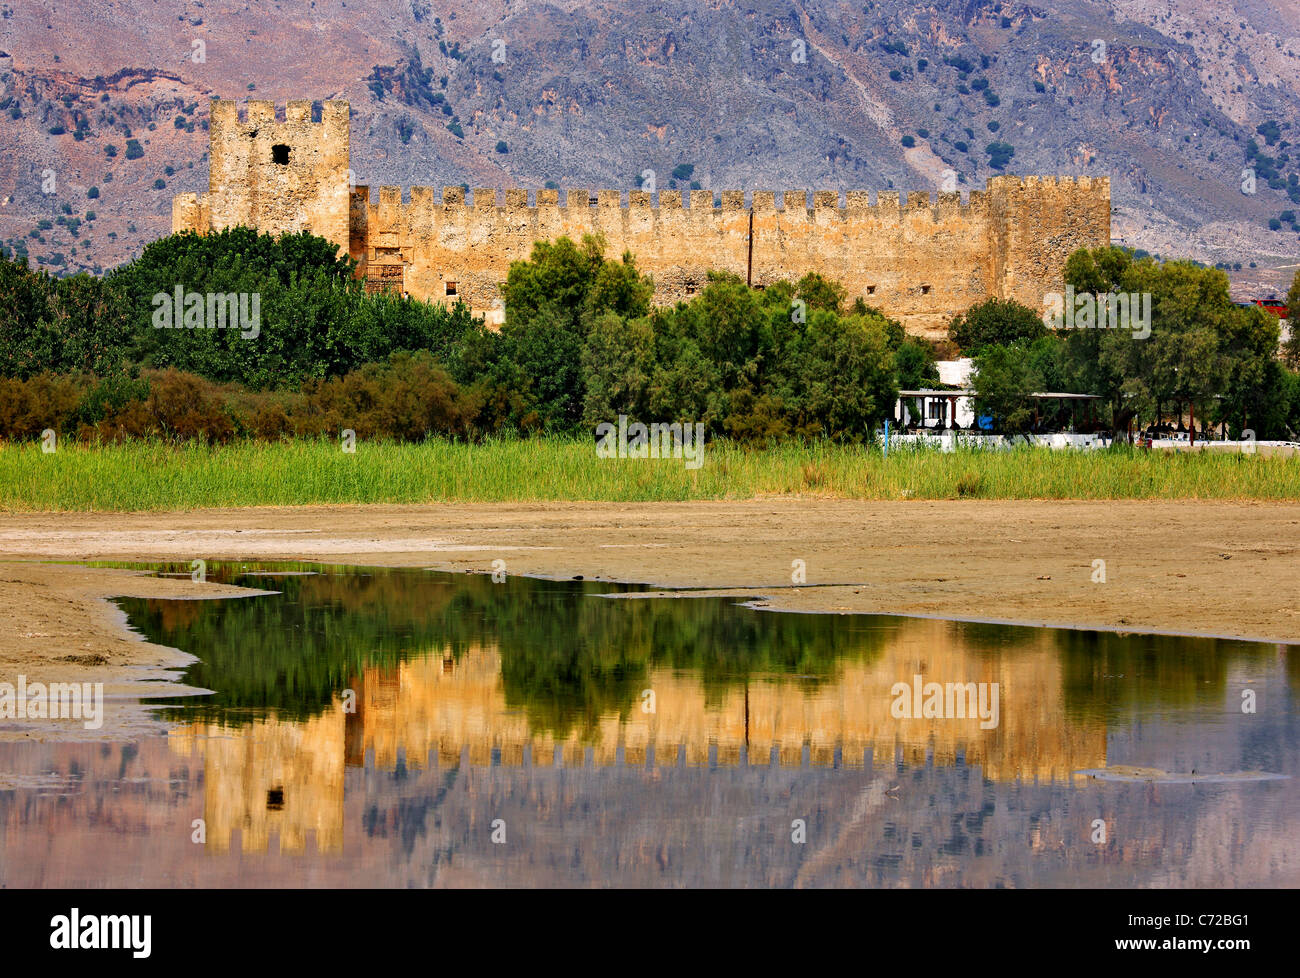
(920, 259)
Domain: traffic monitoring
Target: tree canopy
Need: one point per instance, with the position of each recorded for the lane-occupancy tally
(582, 343)
(995, 322)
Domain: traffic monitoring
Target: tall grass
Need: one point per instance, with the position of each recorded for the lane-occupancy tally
(157, 476)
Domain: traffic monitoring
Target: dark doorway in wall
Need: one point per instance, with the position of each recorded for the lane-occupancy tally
(280, 154)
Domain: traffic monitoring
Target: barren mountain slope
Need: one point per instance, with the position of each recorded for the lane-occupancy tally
(1163, 97)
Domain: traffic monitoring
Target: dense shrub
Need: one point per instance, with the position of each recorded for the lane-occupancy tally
(182, 407)
(407, 398)
(753, 364)
(28, 407)
(109, 396)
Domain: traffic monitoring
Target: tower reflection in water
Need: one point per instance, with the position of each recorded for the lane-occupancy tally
(369, 727)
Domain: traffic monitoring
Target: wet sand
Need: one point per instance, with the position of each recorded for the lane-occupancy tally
(1208, 568)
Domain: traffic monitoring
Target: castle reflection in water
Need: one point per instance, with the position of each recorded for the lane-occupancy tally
(376, 728)
(286, 777)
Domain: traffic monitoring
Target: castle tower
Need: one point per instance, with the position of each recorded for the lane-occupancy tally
(274, 176)
(1035, 224)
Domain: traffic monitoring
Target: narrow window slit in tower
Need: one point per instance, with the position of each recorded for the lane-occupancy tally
(280, 154)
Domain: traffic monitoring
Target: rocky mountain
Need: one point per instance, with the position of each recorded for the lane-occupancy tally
(1192, 107)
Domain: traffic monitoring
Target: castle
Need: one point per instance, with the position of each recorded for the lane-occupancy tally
(920, 260)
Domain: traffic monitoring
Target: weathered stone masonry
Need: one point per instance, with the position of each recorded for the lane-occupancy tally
(921, 260)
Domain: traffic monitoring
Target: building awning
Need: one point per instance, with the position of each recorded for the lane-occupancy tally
(970, 392)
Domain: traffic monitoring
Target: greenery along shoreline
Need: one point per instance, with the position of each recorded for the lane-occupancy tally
(149, 476)
(582, 344)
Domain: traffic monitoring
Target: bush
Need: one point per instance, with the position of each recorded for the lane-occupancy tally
(408, 398)
(270, 422)
(28, 407)
(109, 396)
(1000, 154)
(182, 407)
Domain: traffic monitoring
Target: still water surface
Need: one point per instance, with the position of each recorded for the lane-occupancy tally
(383, 727)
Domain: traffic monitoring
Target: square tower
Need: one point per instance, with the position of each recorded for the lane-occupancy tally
(279, 176)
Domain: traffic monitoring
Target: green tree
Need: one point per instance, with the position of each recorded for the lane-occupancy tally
(820, 292)
(617, 363)
(1006, 378)
(916, 365)
(1203, 351)
(317, 319)
(995, 322)
(848, 374)
(551, 301)
(1004, 383)
(1251, 385)
(686, 385)
(79, 323)
(1292, 348)
(728, 326)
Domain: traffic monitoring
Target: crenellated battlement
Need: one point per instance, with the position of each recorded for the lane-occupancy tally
(885, 203)
(918, 255)
(255, 113)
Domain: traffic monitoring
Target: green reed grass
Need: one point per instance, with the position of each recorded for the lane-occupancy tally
(157, 476)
